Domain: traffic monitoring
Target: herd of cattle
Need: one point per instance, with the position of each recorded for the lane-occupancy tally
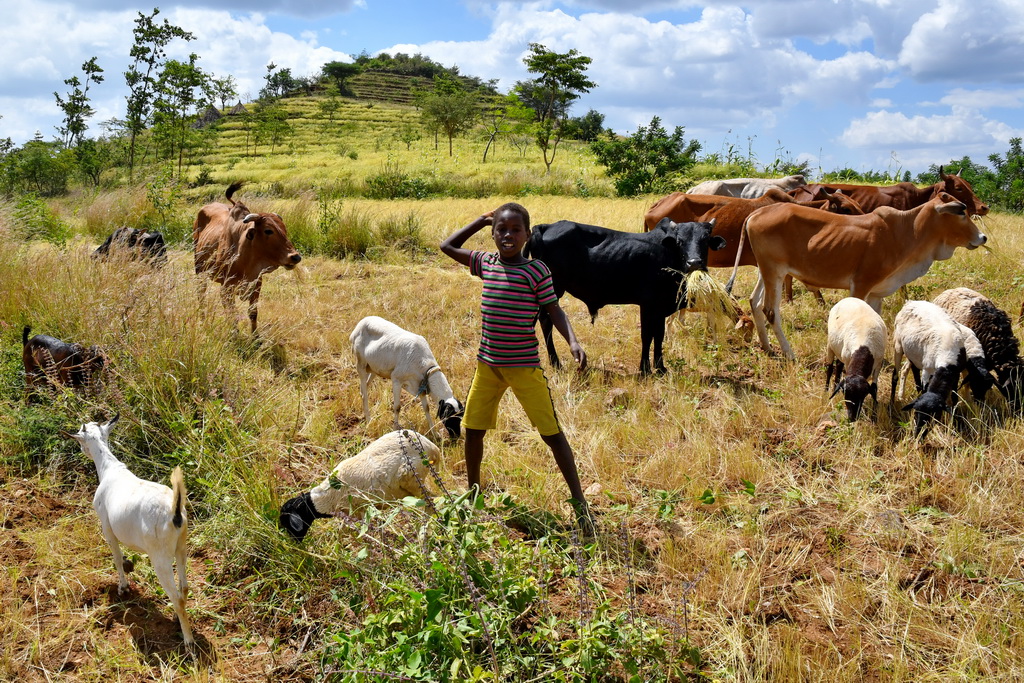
(868, 240)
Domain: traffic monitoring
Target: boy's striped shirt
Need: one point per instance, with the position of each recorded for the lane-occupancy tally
(512, 297)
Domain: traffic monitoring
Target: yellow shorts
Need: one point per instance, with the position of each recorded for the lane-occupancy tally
(528, 384)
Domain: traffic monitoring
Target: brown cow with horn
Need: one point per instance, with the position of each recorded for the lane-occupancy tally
(236, 247)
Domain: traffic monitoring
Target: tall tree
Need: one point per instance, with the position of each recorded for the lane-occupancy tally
(183, 90)
(561, 79)
(76, 107)
(225, 89)
(148, 55)
(448, 108)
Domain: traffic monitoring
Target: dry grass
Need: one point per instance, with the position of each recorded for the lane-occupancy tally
(829, 552)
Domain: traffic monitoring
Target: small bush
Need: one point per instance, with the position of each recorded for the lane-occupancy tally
(34, 220)
(403, 234)
(393, 183)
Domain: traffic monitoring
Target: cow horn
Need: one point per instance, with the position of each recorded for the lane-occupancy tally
(250, 217)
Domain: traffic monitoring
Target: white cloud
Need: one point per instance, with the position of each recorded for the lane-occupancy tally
(920, 140)
(970, 40)
(240, 45)
(984, 99)
(303, 8)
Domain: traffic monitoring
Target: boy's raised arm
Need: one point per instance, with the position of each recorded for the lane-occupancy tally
(452, 245)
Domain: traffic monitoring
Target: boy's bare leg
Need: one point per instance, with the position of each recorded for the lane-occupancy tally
(567, 464)
(474, 456)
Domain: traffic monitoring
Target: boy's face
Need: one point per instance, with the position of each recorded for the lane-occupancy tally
(510, 234)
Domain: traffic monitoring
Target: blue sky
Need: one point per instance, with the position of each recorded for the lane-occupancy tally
(867, 84)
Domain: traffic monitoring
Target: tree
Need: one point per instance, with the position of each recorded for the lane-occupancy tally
(409, 134)
(182, 91)
(448, 108)
(586, 128)
(277, 83)
(76, 107)
(1009, 177)
(225, 89)
(330, 105)
(339, 72)
(506, 115)
(561, 81)
(148, 53)
(644, 161)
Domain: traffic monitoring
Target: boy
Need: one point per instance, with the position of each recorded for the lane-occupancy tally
(515, 288)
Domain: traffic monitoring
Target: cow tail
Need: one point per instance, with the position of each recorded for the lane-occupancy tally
(178, 487)
(739, 255)
(24, 335)
(232, 188)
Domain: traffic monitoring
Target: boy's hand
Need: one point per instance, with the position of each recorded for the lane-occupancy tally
(489, 217)
(579, 354)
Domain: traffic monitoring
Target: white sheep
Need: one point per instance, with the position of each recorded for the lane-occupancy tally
(934, 347)
(390, 468)
(856, 343)
(143, 515)
(384, 349)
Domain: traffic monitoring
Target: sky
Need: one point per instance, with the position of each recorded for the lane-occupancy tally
(884, 85)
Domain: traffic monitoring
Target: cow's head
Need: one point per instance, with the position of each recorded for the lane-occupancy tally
(842, 204)
(962, 190)
(153, 246)
(269, 238)
(689, 242)
(957, 229)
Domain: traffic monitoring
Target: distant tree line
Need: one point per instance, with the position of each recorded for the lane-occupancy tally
(169, 101)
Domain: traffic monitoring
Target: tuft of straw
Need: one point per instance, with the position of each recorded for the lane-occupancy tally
(706, 294)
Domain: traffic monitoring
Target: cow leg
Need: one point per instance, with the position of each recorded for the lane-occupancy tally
(757, 313)
(652, 329)
(254, 298)
(773, 306)
(897, 359)
(787, 288)
(546, 327)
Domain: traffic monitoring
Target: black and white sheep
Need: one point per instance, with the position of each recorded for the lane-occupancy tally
(857, 337)
(384, 349)
(143, 515)
(994, 330)
(390, 468)
(934, 347)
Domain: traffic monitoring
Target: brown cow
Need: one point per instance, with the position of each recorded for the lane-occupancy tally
(730, 213)
(903, 196)
(236, 247)
(871, 255)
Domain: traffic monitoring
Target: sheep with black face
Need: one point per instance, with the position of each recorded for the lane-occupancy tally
(390, 468)
(384, 349)
(856, 345)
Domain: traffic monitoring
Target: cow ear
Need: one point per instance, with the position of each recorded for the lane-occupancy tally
(942, 173)
(717, 242)
(250, 233)
(665, 224)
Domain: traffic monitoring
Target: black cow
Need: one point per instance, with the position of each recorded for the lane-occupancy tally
(136, 243)
(600, 267)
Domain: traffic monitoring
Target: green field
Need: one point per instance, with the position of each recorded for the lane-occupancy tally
(747, 532)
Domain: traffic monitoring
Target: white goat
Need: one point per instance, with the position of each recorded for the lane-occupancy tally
(390, 468)
(934, 346)
(384, 349)
(856, 343)
(147, 517)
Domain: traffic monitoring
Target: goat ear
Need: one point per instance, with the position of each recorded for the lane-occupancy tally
(113, 420)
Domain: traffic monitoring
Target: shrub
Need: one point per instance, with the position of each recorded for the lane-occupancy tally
(33, 219)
